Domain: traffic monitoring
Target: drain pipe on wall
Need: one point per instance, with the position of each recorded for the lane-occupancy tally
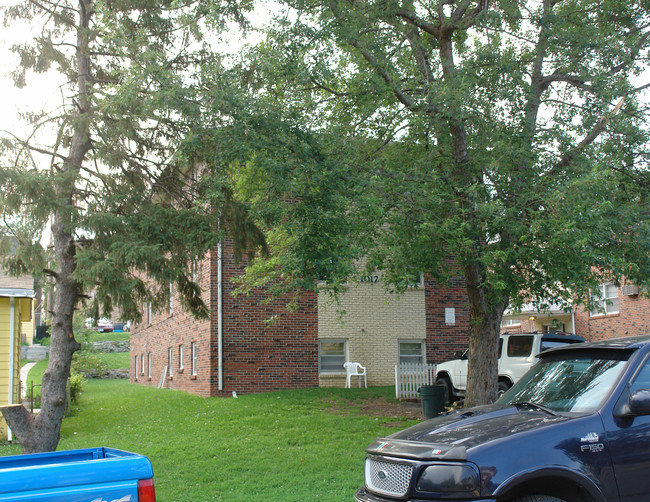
(12, 341)
(220, 313)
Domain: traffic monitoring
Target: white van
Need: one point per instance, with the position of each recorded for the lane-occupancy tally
(517, 353)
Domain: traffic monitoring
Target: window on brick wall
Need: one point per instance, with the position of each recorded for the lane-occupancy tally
(149, 317)
(180, 357)
(170, 361)
(194, 366)
(604, 300)
(142, 364)
(135, 364)
(149, 365)
(411, 351)
(332, 354)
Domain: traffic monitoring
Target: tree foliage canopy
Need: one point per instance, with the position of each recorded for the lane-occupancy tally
(511, 135)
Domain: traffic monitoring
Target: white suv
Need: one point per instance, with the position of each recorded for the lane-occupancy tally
(520, 354)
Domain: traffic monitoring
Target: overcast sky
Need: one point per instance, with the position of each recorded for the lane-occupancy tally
(42, 90)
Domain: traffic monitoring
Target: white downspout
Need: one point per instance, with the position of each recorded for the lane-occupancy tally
(12, 337)
(220, 315)
(573, 320)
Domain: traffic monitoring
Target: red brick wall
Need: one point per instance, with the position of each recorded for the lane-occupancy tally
(632, 319)
(444, 340)
(258, 356)
(171, 330)
(265, 346)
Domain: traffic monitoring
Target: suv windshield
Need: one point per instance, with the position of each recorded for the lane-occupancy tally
(574, 383)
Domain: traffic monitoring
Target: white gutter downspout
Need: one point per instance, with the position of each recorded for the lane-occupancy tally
(12, 337)
(220, 315)
(573, 320)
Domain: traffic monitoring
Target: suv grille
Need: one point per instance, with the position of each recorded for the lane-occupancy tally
(388, 478)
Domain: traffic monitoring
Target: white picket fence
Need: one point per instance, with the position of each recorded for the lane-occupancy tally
(409, 377)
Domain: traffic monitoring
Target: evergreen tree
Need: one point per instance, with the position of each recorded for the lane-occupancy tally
(126, 212)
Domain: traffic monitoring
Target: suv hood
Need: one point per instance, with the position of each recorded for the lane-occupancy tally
(450, 436)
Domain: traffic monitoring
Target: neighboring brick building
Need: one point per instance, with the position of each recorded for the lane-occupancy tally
(617, 311)
(266, 347)
(624, 312)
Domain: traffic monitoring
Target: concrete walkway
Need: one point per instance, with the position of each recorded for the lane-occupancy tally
(24, 371)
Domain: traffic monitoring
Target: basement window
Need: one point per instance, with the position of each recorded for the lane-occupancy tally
(332, 356)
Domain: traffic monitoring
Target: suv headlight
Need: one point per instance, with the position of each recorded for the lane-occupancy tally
(456, 479)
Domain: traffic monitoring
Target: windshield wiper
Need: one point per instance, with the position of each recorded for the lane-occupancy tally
(534, 406)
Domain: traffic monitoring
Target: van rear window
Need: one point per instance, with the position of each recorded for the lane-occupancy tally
(520, 346)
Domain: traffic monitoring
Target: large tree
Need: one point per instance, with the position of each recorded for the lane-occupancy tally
(107, 171)
(501, 141)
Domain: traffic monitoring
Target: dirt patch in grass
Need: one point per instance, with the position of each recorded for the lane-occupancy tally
(380, 407)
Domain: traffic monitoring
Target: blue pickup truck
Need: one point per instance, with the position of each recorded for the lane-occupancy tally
(575, 428)
(88, 475)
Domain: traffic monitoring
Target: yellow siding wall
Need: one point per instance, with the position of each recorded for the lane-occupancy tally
(27, 320)
(372, 321)
(5, 317)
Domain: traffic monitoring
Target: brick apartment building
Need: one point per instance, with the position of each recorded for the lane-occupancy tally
(618, 311)
(250, 344)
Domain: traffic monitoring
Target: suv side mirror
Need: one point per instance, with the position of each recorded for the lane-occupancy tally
(637, 405)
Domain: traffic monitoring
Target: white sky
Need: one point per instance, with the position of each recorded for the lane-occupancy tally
(41, 91)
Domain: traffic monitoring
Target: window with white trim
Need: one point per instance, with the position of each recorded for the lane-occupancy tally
(194, 366)
(149, 365)
(135, 364)
(411, 351)
(170, 361)
(180, 357)
(142, 364)
(332, 355)
(604, 300)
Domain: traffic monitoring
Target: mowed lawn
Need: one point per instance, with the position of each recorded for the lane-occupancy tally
(286, 446)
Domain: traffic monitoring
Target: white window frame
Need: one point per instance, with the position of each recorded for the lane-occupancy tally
(344, 341)
(149, 319)
(149, 365)
(506, 323)
(194, 359)
(170, 361)
(601, 303)
(423, 355)
(136, 367)
(142, 364)
(180, 357)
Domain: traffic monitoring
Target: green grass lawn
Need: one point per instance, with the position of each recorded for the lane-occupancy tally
(284, 446)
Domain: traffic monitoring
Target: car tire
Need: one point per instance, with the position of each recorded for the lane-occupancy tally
(449, 393)
(503, 387)
(538, 498)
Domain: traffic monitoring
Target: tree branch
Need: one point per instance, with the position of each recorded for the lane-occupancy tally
(596, 131)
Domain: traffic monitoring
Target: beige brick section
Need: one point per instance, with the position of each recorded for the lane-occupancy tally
(372, 321)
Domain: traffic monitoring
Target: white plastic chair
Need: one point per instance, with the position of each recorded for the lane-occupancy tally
(355, 369)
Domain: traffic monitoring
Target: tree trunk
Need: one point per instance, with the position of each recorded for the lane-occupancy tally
(42, 432)
(37, 433)
(484, 327)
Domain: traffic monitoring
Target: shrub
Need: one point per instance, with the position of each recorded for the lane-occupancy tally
(89, 364)
(76, 386)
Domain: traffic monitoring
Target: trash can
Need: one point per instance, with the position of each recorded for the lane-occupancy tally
(433, 400)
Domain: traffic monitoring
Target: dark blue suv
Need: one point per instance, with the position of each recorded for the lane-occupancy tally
(575, 428)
